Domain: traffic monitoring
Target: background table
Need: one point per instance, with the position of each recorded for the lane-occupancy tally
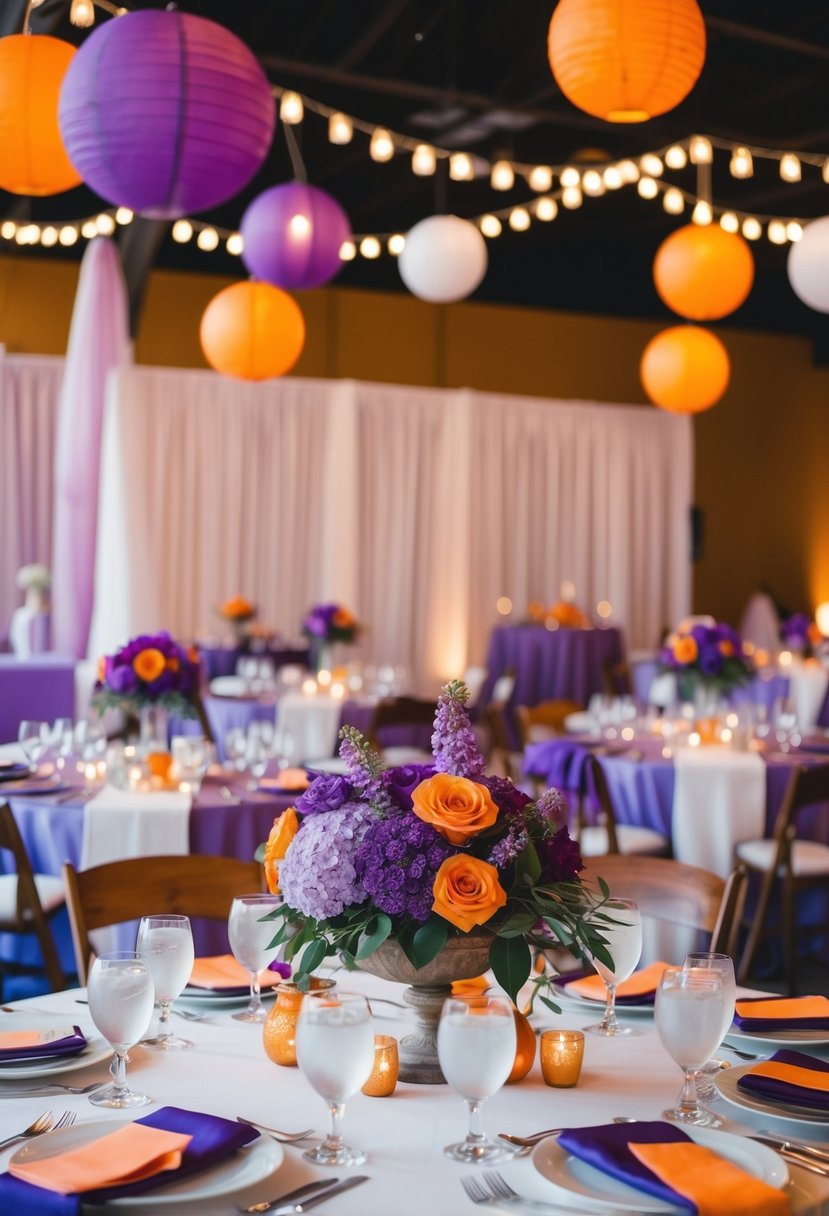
(220, 660)
(40, 687)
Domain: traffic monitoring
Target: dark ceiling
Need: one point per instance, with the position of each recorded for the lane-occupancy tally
(473, 75)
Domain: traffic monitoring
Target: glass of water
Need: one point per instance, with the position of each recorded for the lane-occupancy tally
(250, 940)
(688, 1014)
(120, 992)
(704, 960)
(476, 1050)
(621, 926)
(165, 943)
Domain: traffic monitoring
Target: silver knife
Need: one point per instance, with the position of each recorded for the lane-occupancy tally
(279, 1207)
(794, 1146)
(292, 1197)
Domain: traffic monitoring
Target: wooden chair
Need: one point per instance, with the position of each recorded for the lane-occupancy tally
(192, 885)
(676, 893)
(608, 835)
(537, 723)
(28, 901)
(502, 758)
(617, 678)
(402, 711)
(790, 864)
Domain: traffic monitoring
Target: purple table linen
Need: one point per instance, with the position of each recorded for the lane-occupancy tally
(41, 688)
(221, 660)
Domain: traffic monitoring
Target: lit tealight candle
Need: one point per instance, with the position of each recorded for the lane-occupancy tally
(323, 677)
(383, 1077)
(90, 772)
(309, 687)
(785, 658)
(337, 691)
(562, 1052)
(568, 591)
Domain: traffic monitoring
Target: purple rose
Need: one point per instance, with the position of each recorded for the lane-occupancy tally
(327, 792)
(560, 857)
(400, 782)
(122, 680)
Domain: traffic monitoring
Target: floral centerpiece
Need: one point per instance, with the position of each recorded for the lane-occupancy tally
(800, 634)
(326, 624)
(425, 855)
(151, 670)
(35, 580)
(564, 613)
(237, 611)
(708, 657)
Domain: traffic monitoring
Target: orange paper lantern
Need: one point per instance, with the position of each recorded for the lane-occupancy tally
(32, 156)
(703, 272)
(252, 331)
(626, 60)
(685, 369)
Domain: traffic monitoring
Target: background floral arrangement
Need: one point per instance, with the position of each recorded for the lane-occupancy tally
(237, 610)
(34, 577)
(711, 655)
(152, 669)
(423, 852)
(330, 623)
(565, 613)
(800, 633)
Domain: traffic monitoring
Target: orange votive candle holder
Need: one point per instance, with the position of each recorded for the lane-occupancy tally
(562, 1052)
(383, 1078)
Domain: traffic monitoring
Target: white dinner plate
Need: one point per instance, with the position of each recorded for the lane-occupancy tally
(96, 1050)
(577, 1179)
(778, 1038)
(581, 723)
(223, 1000)
(772, 1111)
(242, 1169)
(229, 686)
(575, 1000)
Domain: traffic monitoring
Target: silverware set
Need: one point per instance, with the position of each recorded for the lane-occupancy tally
(491, 1188)
(306, 1197)
(38, 1127)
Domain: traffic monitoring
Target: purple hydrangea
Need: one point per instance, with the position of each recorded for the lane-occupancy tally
(453, 741)
(397, 862)
(560, 858)
(318, 876)
(400, 782)
(327, 792)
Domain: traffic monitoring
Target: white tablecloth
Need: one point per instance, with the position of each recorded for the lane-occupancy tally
(719, 800)
(227, 1073)
(807, 688)
(119, 823)
(311, 722)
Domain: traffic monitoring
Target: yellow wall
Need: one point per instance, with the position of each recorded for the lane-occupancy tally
(760, 453)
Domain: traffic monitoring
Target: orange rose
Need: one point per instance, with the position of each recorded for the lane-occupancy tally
(685, 650)
(102, 669)
(237, 607)
(148, 664)
(342, 619)
(467, 891)
(455, 806)
(285, 827)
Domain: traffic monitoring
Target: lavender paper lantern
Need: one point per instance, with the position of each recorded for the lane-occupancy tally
(166, 113)
(292, 236)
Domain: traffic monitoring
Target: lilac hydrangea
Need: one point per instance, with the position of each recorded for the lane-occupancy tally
(397, 862)
(327, 792)
(318, 876)
(402, 781)
(453, 741)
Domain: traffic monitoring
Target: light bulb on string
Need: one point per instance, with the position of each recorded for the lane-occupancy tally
(348, 251)
(396, 244)
(569, 176)
(629, 171)
(776, 232)
(519, 219)
(502, 175)
(182, 231)
(124, 216)
(89, 229)
(381, 145)
(790, 167)
(8, 229)
(794, 231)
(742, 163)
(752, 229)
(340, 129)
(460, 167)
(540, 178)
(612, 178)
(68, 236)
(208, 240)
(49, 236)
(647, 187)
(676, 157)
(592, 183)
(702, 214)
(546, 209)
(730, 222)
(291, 109)
(424, 161)
(490, 226)
(370, 247)
(651, 165)
(235, 244)
(571, 197)
(673, 201)
(82, 14)
(700, 151)
(105, 224)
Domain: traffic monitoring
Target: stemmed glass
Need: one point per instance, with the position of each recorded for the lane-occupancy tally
(165, 943)
(689, 1015)
(283, 747)
(62, 741)
(120, 993)
(33, 737)
(335, 1053)
(476, 1050)
(236, 746)
(623, 933)
(257, 760)
(250, 940)
(702, 960)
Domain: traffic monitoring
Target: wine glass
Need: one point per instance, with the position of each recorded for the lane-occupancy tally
(250, 940)
(62, 741)
(689, 1016)
(257, 758)
(165, 943)
(33, 737)
(704, 960)
(120, 993)
(283, 747)
(476, 1049)
(236, 746)
(623, 932)
(335, 1053)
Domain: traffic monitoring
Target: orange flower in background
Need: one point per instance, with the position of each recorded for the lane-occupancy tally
(727, 648)
(685, 649)
(149, 664)
(285, 827)
(173, 663)
(237, 608)
(536, 611)
(474, 987)
(342, 619)
(467, 892)
(569, 615)
(102, 667)
(455, 806)
(159, 765)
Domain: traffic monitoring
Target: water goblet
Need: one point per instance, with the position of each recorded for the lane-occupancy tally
(236, 746)
(120, 993)
(476, 1048)
(165, 943)
(62, 741)
(620, 924)
(335, 1053)
(33, 737)
(688, 1014)
(250, 940)
(283, 747)
(257, 758)
(705, 960)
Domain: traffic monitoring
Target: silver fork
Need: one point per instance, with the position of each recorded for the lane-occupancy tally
(282, 1137)
(66, 1120)
(496, 1191)
(41, 1126)
(57, 1089)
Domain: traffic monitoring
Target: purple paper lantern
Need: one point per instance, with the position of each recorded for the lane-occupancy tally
(292, 236)
(166, 113)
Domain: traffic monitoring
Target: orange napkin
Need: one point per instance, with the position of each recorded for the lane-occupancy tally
(470, 987)
(714, 1185)
(15, 1040)
(784, 1009)
(131, 1154)
(792, 1074)
(641, 983)
(222, 971)
(289, 779)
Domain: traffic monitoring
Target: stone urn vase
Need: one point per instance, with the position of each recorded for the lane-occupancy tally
(462, 958)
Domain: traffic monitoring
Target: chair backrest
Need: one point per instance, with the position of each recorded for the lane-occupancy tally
(28, 915)
(400, 711)
(617, 678)
(544, 720)
(593, 774)
(807, 786)
(503, 687)
(192, 885)
(674, 892)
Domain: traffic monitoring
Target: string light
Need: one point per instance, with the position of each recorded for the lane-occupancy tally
(794, 231)
(647, 187)
(612, 178)
(68, 236)
(700, 150)
(673, 201)
(519, 219)
(291, 108)
(340, 128)
(592, 183)
(540, 178)
(490, 226)
(546, 209)
(381, 146)
(105, 224)
(7, 230)
(629, 171)
(49, 236)
(790, 167)
(424, 161)
(124, 216)
(752, 229)
(82, 14)
(396, 244)
(370, 247)
(569, 176)
(182, 231)
(348, 251)
(460, 167)
(776, 232)
(729, 221)
(571, 197)
(702, 214)
(651, 165)
(502, 175)
(89, 229)
(235, 244)
(742, 163)
(208, 240)
(676, 157)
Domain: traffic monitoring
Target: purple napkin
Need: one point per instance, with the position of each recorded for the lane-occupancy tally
(561, 982)
(68, 1046)
(213, 1140)
(606, 1148)
(785, 1091)
(13, 771)
(749, 1023)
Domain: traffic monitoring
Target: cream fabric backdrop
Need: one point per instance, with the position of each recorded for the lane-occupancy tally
(415, 507)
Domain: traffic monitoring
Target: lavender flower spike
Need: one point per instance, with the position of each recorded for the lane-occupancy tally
(364, 766)
(453, 742)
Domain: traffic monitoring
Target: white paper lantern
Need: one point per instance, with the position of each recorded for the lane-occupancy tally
(444, 259)
(808, 265)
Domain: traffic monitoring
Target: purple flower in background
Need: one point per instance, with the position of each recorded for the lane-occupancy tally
(453, 741)
(122, 680)
(795, 631)
(326, 793)
(512, 845)
(318, 876)
(281, 969)
(507, 797)
(710, 660)
(397, 862)
(552, 806)
(560, 857)
(400, 782)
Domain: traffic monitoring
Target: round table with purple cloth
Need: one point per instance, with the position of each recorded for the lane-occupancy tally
(221, 660)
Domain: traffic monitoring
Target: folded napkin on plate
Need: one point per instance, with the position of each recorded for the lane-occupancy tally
(41, 1044)
(661, 1160)
(221, 973)
(289, 779)
(211, 1139)
(130, 1154)
(639, 989)
(790, 1076)
(782, 1013)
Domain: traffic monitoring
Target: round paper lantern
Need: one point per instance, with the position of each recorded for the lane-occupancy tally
(166, 113)
(292, 236)
(703, 272)
(685, 369)
(808, 265)
(33, 159)
(444, 259)
(252, 331)
(626, 60)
